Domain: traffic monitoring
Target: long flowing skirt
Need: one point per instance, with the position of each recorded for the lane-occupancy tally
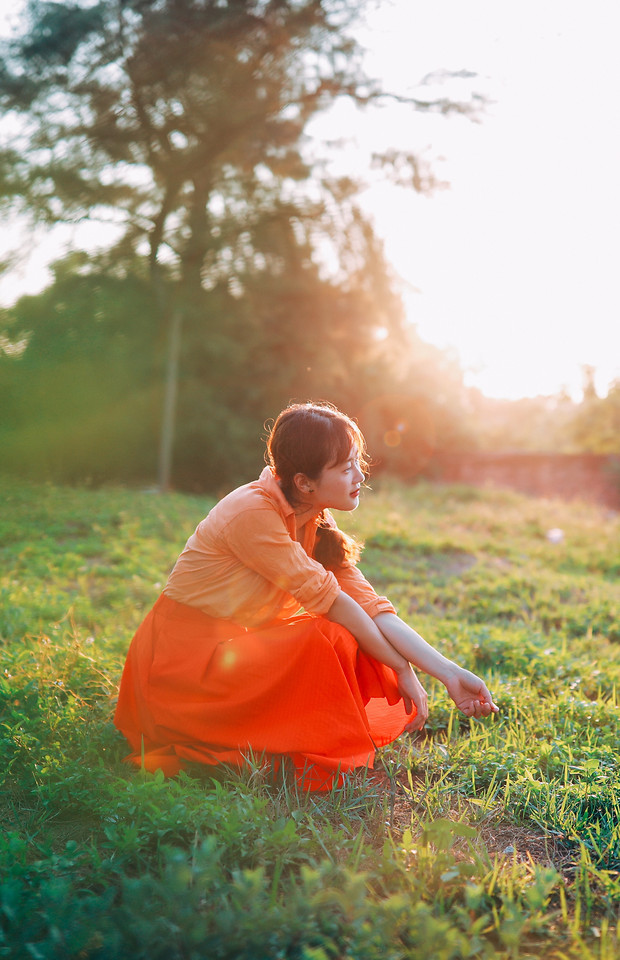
(196, 688)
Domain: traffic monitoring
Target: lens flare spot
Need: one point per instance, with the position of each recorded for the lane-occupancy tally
(229, 659)
(391, 438)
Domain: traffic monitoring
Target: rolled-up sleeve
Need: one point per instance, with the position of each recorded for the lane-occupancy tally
(260, 540)
(354, 583)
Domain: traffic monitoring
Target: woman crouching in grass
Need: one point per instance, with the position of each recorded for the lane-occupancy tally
(268, 640)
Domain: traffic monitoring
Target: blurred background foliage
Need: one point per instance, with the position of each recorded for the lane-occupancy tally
(244, 275)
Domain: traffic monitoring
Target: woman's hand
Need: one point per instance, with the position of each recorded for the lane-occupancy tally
(470, 694)
(413, 694)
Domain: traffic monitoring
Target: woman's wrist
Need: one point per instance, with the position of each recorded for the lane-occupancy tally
(447, 670)
(404, 668)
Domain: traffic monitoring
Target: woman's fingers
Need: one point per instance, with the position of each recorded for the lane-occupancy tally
(416, 724)
(479, 708)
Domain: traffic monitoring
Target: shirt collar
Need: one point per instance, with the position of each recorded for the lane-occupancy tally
(269, 482)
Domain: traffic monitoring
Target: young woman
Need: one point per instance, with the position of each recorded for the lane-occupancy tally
(267, 640)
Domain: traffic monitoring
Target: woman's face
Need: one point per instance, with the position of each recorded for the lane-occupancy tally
(338, 486)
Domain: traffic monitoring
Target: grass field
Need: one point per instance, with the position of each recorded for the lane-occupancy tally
(479, 840)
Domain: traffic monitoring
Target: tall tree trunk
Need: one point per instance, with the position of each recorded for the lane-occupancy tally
(170, 398)
(188, 294)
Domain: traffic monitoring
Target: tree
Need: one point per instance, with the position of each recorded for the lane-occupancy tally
(539, 424)
(183, 121)
(78, 393)
(595, 427)
(80, 388)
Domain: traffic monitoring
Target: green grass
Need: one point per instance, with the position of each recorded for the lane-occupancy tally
(495, 839)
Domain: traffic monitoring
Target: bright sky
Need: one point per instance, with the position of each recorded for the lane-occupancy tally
(515, 266)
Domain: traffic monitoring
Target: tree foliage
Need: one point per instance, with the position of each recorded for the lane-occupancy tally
(83, 393)
(547, 424)
(183, 121)
(530, 424)
(79, 395)
(596, 425)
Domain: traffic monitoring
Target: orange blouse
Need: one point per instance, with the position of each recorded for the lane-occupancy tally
(244, 563)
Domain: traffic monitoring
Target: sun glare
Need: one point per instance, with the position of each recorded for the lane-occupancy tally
(514, 266)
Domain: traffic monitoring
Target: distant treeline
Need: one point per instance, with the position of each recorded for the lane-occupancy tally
(82, 374)
(83, 369)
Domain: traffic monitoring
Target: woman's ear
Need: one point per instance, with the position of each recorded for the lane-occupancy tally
(303, 483)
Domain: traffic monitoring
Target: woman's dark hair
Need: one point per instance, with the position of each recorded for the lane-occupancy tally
(306, 438)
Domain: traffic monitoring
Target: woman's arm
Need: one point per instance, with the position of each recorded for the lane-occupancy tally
(348, 613)
(466, 689)
(372, 641)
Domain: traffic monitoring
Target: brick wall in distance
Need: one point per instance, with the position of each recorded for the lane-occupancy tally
(584, 476)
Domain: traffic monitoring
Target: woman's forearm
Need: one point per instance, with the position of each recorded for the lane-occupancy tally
(414, 648)
(466, 689)
(368, 634)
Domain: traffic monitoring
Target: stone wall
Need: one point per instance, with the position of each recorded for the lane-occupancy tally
(567, 476)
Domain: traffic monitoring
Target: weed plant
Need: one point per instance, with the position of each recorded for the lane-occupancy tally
(471, 840)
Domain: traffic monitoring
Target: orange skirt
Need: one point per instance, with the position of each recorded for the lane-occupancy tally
(201, 689)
